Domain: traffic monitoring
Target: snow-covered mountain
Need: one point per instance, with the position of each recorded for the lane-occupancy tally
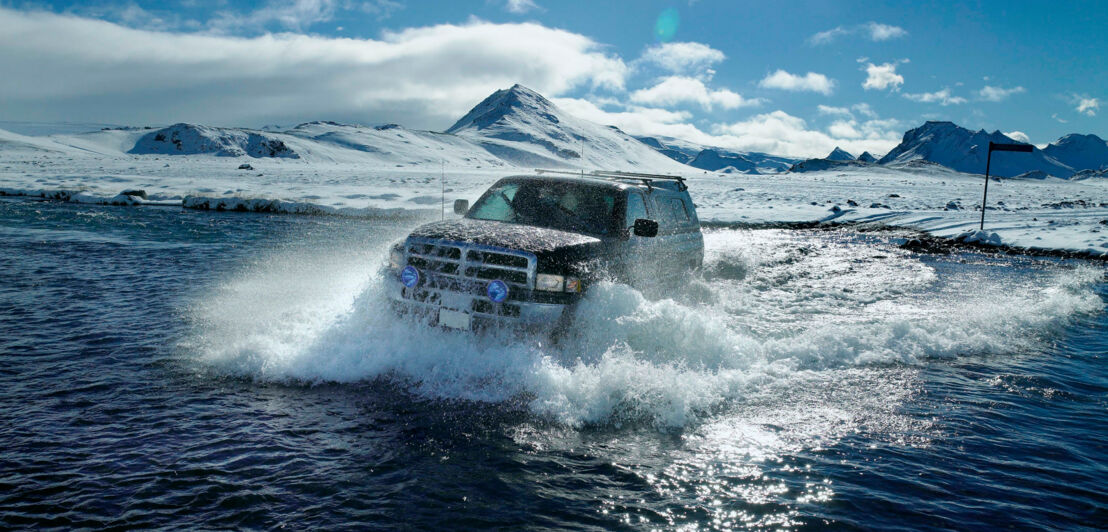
(523, 128)
(956, 147)
(865, 157)
(190, 139)
(1080, 152)
(386, 145)
(839, 154)
(513, 127)
(674, 151)
(819, 165)
(714, 158)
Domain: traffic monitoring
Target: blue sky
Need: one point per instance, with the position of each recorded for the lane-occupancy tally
(793, 78)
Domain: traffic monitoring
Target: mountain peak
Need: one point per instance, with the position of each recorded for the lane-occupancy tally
(1082, 152)
(839, 154)
(523, 128)
(866, 157)
(505, 102)
(1078, 138)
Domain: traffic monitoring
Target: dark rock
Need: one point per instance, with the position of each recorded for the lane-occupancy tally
(920, 245)
(245, 166)
(852, 203)
(136, 193)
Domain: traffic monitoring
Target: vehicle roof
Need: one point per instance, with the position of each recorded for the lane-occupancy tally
(615, 183)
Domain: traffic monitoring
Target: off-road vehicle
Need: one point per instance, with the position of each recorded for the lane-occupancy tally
(532, 245)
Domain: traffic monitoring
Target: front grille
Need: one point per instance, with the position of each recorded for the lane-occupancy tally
(461, 263)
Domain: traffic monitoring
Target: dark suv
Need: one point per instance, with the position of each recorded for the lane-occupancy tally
(532, 244)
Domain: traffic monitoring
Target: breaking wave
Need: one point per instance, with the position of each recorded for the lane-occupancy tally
(783, 306)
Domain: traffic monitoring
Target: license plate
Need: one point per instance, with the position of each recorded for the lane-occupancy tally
(454, 319)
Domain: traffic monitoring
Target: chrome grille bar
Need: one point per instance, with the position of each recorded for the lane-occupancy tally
(469, 261)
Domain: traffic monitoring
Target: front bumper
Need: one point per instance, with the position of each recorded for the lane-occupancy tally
(427, 303)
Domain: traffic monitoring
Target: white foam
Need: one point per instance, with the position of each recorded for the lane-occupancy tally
(630, 359)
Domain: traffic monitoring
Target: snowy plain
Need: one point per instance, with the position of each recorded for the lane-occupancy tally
(345, 179)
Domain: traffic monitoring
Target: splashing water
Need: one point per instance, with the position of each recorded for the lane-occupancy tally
(774, 309)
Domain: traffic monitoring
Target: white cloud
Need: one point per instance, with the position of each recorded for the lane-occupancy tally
(520, 6)
(844, 129)
(682, 57)
(829, 110)
(883, 32)
(676, 90)
(1018, 136)
(135, 16)
(883, 76)
(874, 31)
(634, 119)
(288, 14)
(777, 132)
(864, 109)
(293, 15)
(382, 9)
(781, 133)
(1060, 120)
(997, 94)
(1088, 106)
(423, 77)
(791, 82)
(942, 97)
(825, 37)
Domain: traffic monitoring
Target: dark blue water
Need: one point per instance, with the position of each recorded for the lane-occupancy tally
(205, 370)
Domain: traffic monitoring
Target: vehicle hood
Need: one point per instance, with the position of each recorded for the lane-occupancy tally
(537, 240)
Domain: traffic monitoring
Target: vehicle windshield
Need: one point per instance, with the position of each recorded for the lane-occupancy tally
(575, 207)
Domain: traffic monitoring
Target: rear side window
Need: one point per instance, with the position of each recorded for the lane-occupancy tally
(678, 210)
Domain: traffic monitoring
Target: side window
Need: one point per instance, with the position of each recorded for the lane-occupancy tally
(496, 204)
(690, 209)
(680, 211)
(636, 208)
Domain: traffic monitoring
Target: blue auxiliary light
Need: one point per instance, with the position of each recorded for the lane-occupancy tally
(409, 276)
(497, 291)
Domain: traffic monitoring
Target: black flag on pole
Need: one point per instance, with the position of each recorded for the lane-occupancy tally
(1010, 147)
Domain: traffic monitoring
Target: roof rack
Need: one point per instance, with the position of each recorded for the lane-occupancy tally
(647, 179)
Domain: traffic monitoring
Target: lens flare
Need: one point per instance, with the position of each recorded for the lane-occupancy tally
(666, 25)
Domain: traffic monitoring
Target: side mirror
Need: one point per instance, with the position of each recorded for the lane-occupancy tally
(461, 206)
(647, 228)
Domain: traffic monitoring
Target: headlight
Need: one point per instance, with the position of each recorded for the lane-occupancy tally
(396, 259)
(409, 276)
(497, 291)
(549, 283)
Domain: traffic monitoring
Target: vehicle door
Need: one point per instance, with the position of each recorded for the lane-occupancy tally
(637, 254)
(679, 242)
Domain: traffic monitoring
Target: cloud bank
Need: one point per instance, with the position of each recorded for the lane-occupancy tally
(425, 77)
